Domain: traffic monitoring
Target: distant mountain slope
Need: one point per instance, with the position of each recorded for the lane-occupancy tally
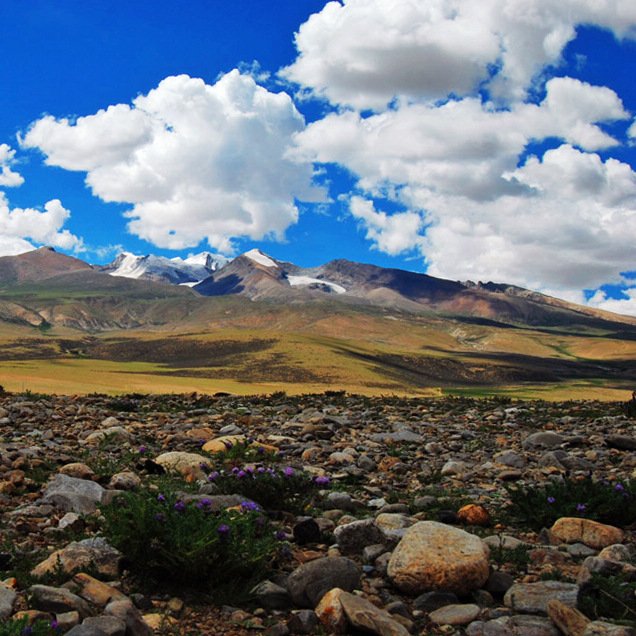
(262, 278)
(38, 265)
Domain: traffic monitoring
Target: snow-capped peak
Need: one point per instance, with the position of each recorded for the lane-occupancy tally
(176, 270)
(258, 257)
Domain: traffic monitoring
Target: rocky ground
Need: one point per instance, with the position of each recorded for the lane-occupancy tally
(413, 530)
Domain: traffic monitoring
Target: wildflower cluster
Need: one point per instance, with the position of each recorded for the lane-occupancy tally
(273, 488)
(602, 501)
(167, 536)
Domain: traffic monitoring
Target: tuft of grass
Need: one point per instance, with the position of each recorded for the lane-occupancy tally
(609, 597)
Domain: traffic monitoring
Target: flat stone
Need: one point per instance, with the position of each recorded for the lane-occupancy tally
(532, 598)
(58, 599)
(455, 614)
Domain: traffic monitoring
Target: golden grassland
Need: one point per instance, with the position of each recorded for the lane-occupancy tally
(311, 353)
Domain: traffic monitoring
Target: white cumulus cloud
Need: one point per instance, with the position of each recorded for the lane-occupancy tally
(364, 53)
(195, 161)
(43, 227)
(8, 178)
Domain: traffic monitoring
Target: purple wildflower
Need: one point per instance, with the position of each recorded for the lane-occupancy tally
(142, 450)
(280, 535)
(289, 471)
(260, 469)
(551, 500)
(323, 481)
(241, 473)
(581, 507)
(619, 487)
(161, 499)
(203, 466)
(160, 517)
(213, 476)
(249, 505)
(180, 506)
(224, 532)
(260, 450)
(235, 469)
(228, 445)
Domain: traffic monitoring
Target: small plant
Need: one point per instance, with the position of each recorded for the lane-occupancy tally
(170, 538)
(613, 503)
(609, 597)
(21, 627)
(516, 557)
(246, 451)
(274, 489)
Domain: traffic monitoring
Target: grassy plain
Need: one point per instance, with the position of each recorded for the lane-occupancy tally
(239, 349)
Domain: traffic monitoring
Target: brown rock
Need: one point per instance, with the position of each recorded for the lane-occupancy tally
(473, 515)
(591, 533)
(568, 619)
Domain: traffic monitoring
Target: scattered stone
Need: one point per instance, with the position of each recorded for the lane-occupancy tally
(72, 494)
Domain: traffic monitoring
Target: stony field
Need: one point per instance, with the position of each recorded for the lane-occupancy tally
(315, 514)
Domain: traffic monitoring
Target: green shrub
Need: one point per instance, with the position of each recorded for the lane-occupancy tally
(169, 538)
(273, 488)
(540, 507)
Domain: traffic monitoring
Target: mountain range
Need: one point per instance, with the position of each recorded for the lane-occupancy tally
(259, 323)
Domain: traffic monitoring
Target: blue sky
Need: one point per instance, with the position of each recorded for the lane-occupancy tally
(489, 140)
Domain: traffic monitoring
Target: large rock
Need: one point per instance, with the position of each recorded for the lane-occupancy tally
(434, 556)
(591, 533)
(311, 581)
(58, 600)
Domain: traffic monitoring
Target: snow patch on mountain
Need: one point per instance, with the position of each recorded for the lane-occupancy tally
(306, 281)
(258, 257)
(178, 271)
